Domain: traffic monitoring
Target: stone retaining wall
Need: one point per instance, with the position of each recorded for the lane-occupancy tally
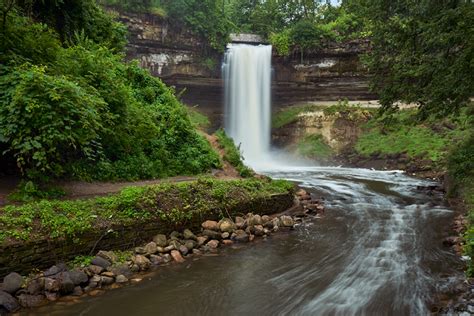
(42, 253)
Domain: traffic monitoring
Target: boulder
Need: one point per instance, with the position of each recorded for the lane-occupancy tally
(29, 301)
(213, 244)
(121, 279)
(253, 220)
(77, 291)
(139, 250)
(123, 269)
(101, 262)
(211, 234)
(78, 277)
(210, 225)
(51, 285)
(12, 283)
(8, 302)
(35, 286)
(160, 240)
(176, 255)
(241, 236)
(227, 225)
(265, 219)
(151, 248)
(60, 267)
(184, 251)
(240, 222)
(189, 234)
(166, 257)
(201, 240)
(176, 244)
(52, 296)
(190, 244)
(258, 230)
(93, 269)
(66, 285)
(156, 260)
(108, 255)
(175, 235)
(105, 280)
(142, 262)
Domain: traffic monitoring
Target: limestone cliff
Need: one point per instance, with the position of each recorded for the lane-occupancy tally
(185, 61)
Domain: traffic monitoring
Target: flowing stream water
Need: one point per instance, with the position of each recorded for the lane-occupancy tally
(378, 250)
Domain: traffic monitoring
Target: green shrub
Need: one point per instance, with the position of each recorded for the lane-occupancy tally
(47, 120)
(232, 154)
(313, 146)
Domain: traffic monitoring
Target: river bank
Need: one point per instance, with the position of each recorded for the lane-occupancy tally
(113, 268)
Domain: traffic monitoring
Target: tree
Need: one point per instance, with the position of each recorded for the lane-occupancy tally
(422, 52)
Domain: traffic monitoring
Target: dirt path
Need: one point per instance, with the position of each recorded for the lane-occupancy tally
(81, 189)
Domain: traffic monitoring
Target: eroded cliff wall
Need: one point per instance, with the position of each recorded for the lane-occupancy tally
(185, 61)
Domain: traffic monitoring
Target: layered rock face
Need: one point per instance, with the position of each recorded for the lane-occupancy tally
(185, 61)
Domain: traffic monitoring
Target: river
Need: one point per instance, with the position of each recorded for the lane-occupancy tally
(378, 251)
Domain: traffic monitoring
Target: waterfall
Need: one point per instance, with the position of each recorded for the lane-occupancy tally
(247, 75)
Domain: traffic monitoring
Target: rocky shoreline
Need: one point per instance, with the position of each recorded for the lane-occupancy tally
(109, 269)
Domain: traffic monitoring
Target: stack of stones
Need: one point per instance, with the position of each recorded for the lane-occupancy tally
(106, 270)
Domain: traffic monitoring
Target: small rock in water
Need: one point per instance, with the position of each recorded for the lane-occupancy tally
(265, 219)
(12, 283)
(287, 221)
(36, 286)
(197, 252)
(213, 244)
(258, 230)
(168, 249)
(121, 279)
(66, 285)
(105, 280)
(225, 235)
(227, 242)
(109, 274)
(8, 302)
(51, 296)
(210, 225)
(160, 240)
(241, 236)
(177, 256)
(175, 235)
(77, 291)
(30, 301)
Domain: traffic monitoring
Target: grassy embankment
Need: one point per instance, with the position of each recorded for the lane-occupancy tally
(171, 204)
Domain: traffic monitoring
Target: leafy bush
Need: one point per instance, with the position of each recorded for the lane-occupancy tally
(313, 146)
(232, 154)
(282, 42)
(47, 120)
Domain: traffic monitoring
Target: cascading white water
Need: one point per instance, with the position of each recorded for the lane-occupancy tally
(247, 75)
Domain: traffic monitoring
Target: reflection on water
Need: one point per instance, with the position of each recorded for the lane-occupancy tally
(377, 252)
